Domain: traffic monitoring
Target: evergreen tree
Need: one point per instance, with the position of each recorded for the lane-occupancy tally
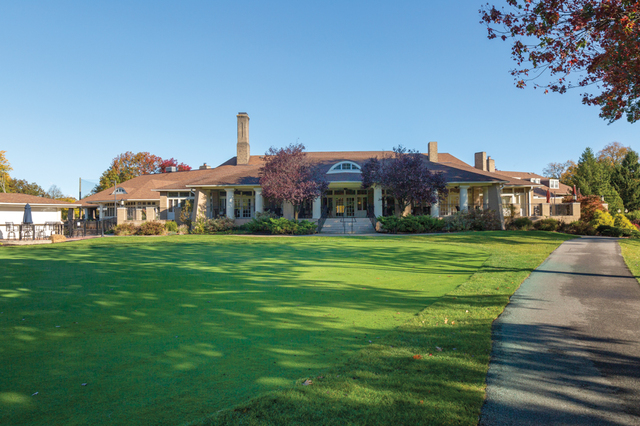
(593, 178)
(626, 180)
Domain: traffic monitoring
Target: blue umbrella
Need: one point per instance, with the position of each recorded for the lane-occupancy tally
(27, 214)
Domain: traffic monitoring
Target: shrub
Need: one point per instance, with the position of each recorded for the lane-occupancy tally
(125, 229)
(601, 218)
(578, 227)
(183, 229)
(411, 224)
(523, 223)
(484, 220)
(260, 223)
(282, 226)
(203, 225)
(171, 226)
(306, 227)
(391, 224)
(621, 221)
(609, 231)
(152, 227)
(546, 225)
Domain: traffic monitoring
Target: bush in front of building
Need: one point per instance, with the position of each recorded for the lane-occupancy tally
(152, 227)
(282, 226)
(203, 225)
(578, 227)
(411, 224)
(171, 226)
(522, 223)
(546, 225)
(472, 220)
(261, 223)
(125, 229)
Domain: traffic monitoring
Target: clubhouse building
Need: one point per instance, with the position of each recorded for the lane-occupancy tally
(233, 189)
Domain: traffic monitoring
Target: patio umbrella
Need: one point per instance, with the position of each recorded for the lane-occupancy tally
(575, 193)
(27, 214)
(548, 196)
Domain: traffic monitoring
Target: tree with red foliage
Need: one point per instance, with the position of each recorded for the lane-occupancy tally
(595, 40)
(588, 206)
(172, 162)
(288, 176)
(405, 177)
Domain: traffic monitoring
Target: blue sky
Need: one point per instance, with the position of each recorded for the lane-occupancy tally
(81, 82)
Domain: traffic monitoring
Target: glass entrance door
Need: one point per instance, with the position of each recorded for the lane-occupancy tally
(350, 208)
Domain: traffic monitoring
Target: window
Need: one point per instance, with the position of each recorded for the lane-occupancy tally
(119, 190)
(345, 167)
(554, 184)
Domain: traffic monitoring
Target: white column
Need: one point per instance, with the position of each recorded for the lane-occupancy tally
(529, 201)
(485, 198)
(377, 201)
(101, 211)
(259, 206)
(230, 203)
(317, 208)
(435, 207)
(495, 202)
(464, 198)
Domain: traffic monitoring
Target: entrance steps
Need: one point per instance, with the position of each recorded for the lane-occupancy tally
(336, 226)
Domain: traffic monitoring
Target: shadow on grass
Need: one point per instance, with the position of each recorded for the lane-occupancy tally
(180, 328)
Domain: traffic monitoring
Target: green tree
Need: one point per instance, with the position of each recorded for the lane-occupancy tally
(127, 166)
(626, 180)
(593, 178)
(21, 186)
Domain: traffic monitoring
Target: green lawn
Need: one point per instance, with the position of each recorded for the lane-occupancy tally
(631, 254)
(173, 330)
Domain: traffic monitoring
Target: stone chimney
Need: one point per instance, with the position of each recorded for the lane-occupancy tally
(205, 166)
(481, 161)
(433, 152)
(243, 139)
(491, 165)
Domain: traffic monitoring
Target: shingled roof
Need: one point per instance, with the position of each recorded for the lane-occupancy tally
(141, 188)
(13, 198)
(228, 174)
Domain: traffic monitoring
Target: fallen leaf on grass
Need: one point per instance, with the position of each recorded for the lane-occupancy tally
(33, 394)
(307, 382)
(438, 348)
(84, 384)
(417, 356)
(446, 320)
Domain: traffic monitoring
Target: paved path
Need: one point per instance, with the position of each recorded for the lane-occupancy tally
(567, 347)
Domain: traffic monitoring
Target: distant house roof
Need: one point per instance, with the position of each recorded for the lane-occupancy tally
(541, 191)
(13, 198)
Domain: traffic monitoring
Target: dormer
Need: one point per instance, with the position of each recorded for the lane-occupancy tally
(345, 167)
(554, 184)
(119, 190)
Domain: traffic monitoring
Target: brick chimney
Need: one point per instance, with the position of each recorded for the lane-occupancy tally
(491, 165)
(243, 139)
(433, 152)
(481, 161)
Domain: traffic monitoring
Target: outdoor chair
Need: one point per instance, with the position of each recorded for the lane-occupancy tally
(27, 230)
(10, 230)
(41, 233)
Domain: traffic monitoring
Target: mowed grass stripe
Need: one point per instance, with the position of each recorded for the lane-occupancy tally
(170, 330)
